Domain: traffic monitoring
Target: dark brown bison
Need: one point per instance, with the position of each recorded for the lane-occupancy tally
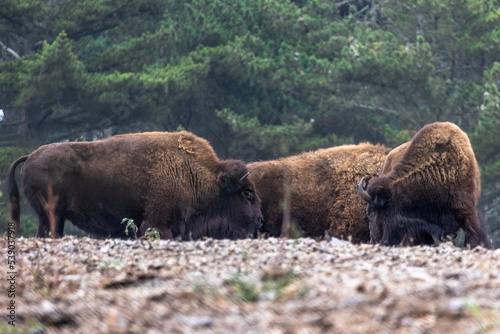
(427, 191)
(323, 190)
(173, 182)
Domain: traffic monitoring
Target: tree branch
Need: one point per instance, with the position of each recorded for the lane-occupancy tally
(386, 111)
(9, 50)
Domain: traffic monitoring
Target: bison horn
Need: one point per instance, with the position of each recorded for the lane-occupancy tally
(459, 239)
(244, 177)
(435, 240)
(364, 195)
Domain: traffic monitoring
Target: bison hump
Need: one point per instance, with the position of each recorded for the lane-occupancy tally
(187, 144)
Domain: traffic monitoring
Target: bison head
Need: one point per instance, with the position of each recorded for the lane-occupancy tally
(235, 213)
(396, 218)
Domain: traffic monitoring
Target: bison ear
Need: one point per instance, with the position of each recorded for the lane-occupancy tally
(226, 183)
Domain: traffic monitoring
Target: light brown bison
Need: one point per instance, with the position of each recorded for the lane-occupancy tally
(173, 182)
(427, 190)
(323, 195)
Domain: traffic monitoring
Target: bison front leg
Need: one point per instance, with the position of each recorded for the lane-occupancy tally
(407, 231)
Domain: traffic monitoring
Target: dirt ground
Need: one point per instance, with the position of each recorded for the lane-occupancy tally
(84, 285)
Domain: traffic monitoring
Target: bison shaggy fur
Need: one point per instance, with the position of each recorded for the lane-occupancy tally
(172, 182)
(322, 187)
(427, 190)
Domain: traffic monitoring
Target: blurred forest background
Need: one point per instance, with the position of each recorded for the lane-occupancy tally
(259, 79)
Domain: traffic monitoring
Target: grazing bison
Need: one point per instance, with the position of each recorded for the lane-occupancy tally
(323, 190)
(427, 190)
(173, 182)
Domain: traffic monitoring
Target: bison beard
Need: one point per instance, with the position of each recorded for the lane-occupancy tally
(322, 186)
(427, 191)
(172, 182)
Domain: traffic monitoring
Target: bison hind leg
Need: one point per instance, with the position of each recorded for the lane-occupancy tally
(45, 228)
(60, 226)
(50, 212)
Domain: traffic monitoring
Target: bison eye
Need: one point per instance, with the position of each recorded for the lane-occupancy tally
(382, 197)
(247, 194)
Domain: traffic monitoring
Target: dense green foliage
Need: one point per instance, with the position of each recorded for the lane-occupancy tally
(258, 79)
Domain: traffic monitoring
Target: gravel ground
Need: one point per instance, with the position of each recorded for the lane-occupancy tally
(84, 285)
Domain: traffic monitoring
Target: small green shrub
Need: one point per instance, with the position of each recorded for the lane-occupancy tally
(152, 234)
(114, 264)
(270, 286)
(486, 323)
(32, 327)
(278, 283)
(245, 291)
(130, 224)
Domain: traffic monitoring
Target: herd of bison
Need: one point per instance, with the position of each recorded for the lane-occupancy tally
(422, 192)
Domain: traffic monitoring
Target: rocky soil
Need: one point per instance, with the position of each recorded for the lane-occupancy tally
(84, 285)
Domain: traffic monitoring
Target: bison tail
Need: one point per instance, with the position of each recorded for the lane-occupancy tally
(14, 208)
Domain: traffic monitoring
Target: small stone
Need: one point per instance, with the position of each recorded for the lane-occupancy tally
(48, 313)
(115, 320)
(195, 321)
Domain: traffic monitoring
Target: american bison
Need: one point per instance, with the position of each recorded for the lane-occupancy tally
(323, 190)
(427, 191)
(173, 182)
